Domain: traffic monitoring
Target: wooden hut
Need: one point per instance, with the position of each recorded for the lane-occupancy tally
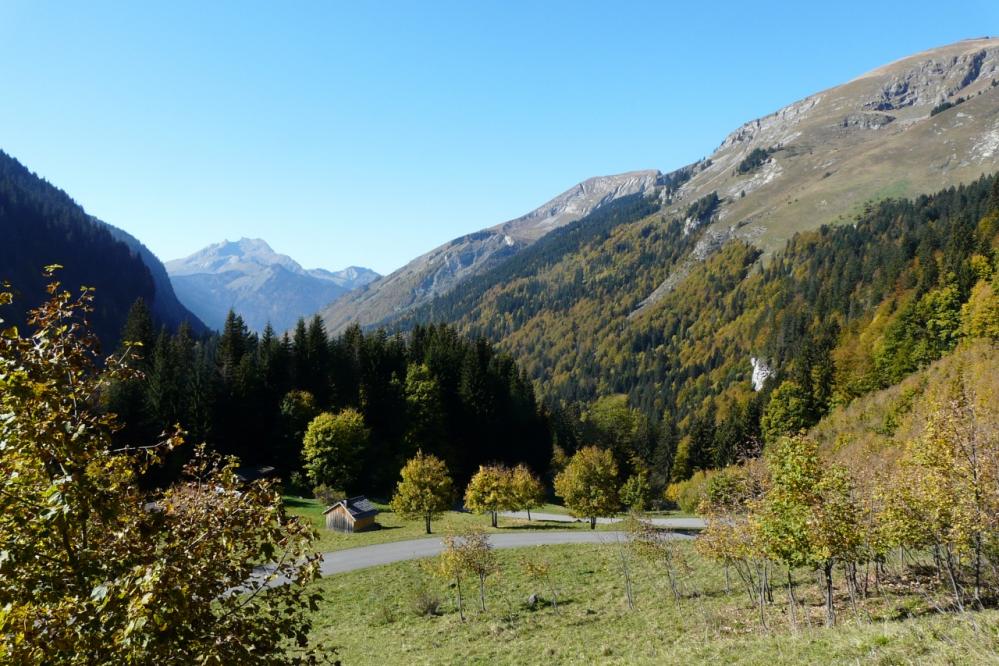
(351, 515)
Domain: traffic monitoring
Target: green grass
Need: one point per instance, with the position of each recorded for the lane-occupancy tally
(370, 615)
(391, 527)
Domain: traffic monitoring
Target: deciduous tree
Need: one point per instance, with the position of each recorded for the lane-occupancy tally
(425, 490)
(333, 446)
(528, 491)
(588, 484)
(96, 570)
(491, 490)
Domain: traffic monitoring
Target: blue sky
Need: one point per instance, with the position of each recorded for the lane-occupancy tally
(368, 133)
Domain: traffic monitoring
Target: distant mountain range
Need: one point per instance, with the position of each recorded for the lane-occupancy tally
(41, 225)
(261, 285)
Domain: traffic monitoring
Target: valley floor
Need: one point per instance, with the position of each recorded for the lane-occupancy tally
(392, 528)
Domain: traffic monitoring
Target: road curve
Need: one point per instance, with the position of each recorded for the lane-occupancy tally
(363, 557)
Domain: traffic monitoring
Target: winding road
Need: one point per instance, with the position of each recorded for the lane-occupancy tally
(362, 557)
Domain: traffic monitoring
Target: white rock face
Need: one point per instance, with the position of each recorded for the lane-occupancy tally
(761, 372)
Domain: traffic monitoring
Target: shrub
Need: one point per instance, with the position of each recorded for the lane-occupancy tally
(327, 495)
(687, 495)
(425, 603)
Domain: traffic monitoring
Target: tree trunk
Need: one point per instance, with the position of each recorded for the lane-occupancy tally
(494, 518)
(482, 592)
(554, 594)
(428, 523)
(791, 601)
(958, 597)
(763, 596)
(528, 515)
(593, 522)
(461, 611)
(830, 609)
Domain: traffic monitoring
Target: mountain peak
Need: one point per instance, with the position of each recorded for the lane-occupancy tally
(262, 285)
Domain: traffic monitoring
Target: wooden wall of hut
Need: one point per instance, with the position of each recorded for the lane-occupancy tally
(339, 520)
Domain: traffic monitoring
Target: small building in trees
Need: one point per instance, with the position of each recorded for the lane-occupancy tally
(353, 514)
(250, 474)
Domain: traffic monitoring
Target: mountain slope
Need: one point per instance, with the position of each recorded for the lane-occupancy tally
(822, 158)
(168, 309)
(42, 225)
(438, 271)
(914, 126)
(260, 284)
(669, 304)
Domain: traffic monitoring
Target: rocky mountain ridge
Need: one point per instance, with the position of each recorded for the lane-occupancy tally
(913, 126)
(436, 272)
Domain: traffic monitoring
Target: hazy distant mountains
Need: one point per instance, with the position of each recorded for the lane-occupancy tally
(41, 225)
(258, 283)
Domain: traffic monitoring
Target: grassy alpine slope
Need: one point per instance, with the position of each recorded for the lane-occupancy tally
(373, 617)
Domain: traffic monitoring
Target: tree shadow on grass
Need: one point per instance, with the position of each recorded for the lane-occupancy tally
(378, 527)
(299, 502)
(538, 525)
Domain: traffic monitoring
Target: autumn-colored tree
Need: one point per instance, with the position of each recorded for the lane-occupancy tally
(786, 413)
(528, 491)
(541, 570)
(466, 554)
(479, 558)
(450, 566)
(96, 570)
(491, 490)
(636, 490)
(425, 490)
(332, 448)
(946, 491)
(588, 484)
(807, 517)
(980, 315)
(730, 537)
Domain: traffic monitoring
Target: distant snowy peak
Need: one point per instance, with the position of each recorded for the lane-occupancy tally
(232, 256)
(260, 284)
(350, 277)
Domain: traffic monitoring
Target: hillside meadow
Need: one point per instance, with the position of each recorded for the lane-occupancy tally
(376, 616)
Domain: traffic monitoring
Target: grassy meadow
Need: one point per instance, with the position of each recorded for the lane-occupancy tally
(373, 616)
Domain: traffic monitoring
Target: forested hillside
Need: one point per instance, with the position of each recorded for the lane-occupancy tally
(255, 396)
(42, 225)
(839, 312)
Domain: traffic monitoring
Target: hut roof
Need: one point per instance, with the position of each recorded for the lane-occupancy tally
(249, 474)
(357, 507)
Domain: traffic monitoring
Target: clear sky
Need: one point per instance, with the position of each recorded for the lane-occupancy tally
(369, 132)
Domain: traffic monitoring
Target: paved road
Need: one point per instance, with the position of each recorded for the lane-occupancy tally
(675, 523)
(363, 557)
